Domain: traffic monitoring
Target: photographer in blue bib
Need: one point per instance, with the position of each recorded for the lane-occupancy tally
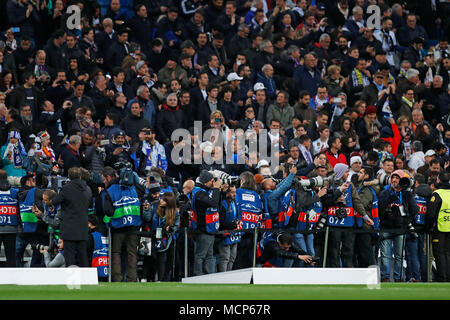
(398, 208)
(342, 203)
(163, 218)
(204, 220)
(122, 209)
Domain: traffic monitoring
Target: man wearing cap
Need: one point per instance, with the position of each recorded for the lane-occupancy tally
(355, 166)
(429, 156)
(260, 104)
(234, 81)
(205, 221)
(397, 209)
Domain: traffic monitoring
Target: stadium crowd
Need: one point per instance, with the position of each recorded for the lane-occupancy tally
(356, 118)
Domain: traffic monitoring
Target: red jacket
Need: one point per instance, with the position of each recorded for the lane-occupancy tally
(333, 160)
(395, 140)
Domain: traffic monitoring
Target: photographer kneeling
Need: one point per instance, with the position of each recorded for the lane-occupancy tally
(273, 249)
(54, 262)
(398, 207)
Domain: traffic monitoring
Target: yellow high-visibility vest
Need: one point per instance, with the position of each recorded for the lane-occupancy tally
(444, 212)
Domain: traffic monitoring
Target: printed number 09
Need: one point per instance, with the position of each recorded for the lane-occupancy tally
(128, 220)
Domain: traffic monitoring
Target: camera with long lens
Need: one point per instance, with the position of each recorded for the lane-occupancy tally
(384, 179)
(312, 182)
(226, 178)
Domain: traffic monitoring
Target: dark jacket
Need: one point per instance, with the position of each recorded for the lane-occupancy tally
(392, 218)
(304, 80)
(273, 250)
(74, 198)
(132, 125)
(202, 202)
(71, 159)
(168, 120)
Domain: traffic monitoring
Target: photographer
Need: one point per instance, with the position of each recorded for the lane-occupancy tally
(250, 207)
(273, 193)
(205, 220)
(397, 209)
(58, 261)
(97, 248)
(34, 229)
(121, 207)
(51, 216)
(274, 249)
(163, 218)
(308, 207)
(416, 262)
(364, 250)
(438, 225)
(8, 222)
(229, 220)
(341, 202)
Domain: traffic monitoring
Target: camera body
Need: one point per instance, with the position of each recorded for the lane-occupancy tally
(341, 213)
(39, 247)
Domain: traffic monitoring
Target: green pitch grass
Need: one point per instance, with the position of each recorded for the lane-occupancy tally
(178, 291)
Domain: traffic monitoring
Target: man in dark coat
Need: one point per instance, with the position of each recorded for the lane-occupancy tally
(141, 28)
(118, 50)
(71, 155)
(170, 118)
(134, 122)
(74, 198)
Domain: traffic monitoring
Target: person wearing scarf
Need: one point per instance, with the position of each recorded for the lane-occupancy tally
(13, 153)
(42, 148)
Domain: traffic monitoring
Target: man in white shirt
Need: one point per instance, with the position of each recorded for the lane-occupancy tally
(418, 157)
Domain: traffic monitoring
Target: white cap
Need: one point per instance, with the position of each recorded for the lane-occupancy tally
(430, 153)
(233, 76)
(258, 86)
(206, 146)
(355, 159)
(262, 163)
